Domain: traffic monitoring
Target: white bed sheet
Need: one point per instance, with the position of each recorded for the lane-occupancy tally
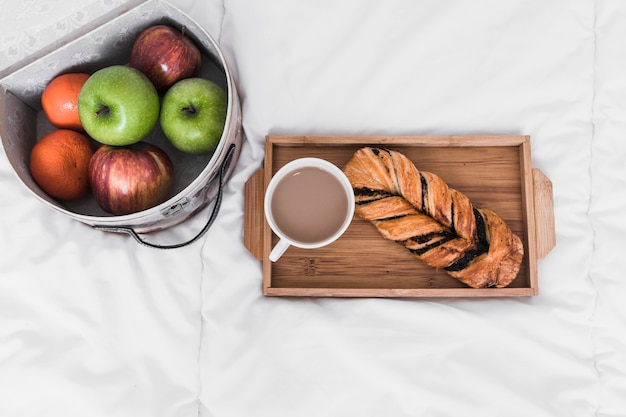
(94, 324)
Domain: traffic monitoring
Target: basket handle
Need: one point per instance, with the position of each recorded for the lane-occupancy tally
(216, 207)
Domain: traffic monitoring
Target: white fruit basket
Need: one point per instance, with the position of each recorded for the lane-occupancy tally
(198, 179)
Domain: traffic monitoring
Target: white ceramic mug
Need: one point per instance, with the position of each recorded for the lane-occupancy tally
(302, 201)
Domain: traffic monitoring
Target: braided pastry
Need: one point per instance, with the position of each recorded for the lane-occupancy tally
(436, 223)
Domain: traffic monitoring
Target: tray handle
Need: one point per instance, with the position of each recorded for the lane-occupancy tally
(253, 214)
(544, 213)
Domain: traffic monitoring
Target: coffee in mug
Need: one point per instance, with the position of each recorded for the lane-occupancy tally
(309, 203)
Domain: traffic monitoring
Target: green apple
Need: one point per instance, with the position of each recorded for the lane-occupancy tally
(193, 114)
(118, 105)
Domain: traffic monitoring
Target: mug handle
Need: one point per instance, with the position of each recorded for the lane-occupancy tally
(216, 207)
(278, 250)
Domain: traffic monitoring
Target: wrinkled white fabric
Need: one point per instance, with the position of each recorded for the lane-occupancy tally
(92, 323)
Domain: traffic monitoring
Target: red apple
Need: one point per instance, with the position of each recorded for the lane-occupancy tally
(128, 179)
(165, 55)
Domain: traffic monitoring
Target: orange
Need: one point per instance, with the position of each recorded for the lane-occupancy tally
(60, 100)
(59, 163)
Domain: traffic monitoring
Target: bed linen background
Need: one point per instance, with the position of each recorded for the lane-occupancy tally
(94, 324)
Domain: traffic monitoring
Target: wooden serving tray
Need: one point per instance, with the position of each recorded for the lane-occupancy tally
(495, 172)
